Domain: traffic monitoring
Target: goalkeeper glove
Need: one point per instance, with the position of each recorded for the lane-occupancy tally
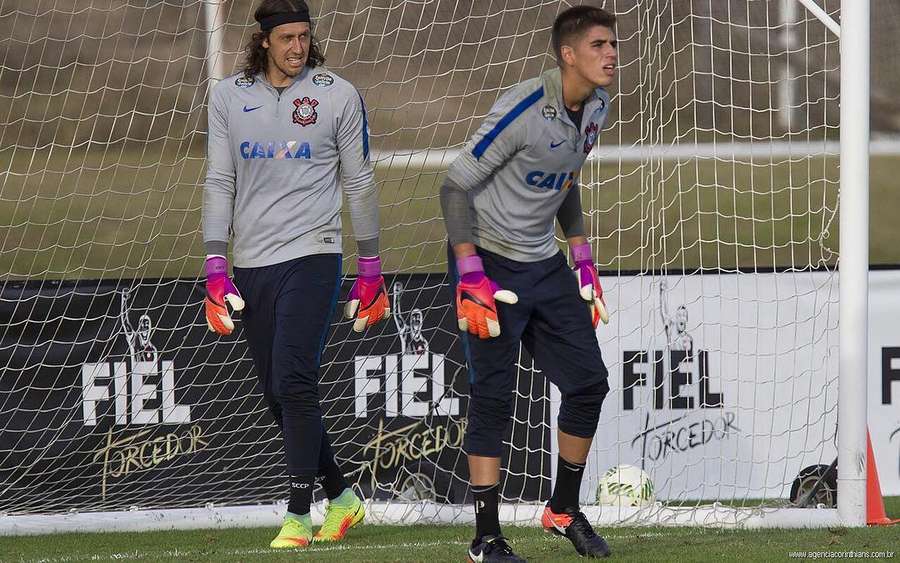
(220, 289)
(476, 310)
(368, 300)
(589, 284)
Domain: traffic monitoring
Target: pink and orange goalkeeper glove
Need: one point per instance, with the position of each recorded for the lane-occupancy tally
(589, 283)
(219, 290)
(368, 300)
(476, 310)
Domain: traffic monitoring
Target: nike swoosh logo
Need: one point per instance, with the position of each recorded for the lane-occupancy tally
(476, 558)
(374, 299)
(466, 295)
(246, 109)
(559, 528)
(552, 144)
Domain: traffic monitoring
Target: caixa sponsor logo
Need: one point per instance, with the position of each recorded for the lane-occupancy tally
(550, 180)
(131, 392)
(275, 150)
(411, 383)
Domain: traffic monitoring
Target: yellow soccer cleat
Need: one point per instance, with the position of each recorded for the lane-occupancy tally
(340, 518)
(293, 534)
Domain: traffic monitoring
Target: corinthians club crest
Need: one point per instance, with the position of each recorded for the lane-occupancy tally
(305, 112)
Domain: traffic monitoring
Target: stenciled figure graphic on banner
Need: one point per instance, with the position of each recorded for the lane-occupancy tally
(412, 341)
(139, 345)
(677, 336)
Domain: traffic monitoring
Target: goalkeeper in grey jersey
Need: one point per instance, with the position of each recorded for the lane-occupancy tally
(286, 137)
(503, 194)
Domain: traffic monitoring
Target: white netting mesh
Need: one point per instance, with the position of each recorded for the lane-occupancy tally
(719, 156)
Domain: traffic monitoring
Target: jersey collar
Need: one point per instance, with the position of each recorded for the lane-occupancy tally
(261, 77)
(552, 82)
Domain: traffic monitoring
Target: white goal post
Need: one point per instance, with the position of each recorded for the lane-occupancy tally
(854, 262)
(738, 342)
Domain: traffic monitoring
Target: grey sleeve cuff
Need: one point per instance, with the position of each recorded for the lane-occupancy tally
(368, 247)
(455, 205)
(363, 205)
(216, 247)
(570, 216)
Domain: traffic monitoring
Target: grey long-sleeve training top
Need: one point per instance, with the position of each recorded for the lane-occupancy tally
(276, 164)
(519, 166)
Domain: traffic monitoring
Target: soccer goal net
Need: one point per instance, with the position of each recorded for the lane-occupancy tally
(712, 207)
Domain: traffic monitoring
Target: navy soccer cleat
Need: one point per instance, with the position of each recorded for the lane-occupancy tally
(573, 525)
(488, 549)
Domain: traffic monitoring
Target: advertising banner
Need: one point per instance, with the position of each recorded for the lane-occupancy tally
(726, 386)
(116, 395)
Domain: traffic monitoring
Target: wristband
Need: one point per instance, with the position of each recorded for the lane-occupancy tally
(369, 267)
(582, 253)
(216, 265)
(469, 264)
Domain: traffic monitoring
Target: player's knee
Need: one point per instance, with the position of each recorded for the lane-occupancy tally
(579, 412)
(600, 389)
(296, 400)
(596, 385)
(592, 387)
(488, 420)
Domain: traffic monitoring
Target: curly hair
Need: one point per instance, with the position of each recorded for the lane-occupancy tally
(256, 56)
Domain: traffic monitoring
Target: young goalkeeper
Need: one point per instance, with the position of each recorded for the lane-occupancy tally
(285, 136)
(512, 284)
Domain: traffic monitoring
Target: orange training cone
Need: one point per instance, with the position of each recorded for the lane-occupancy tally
(875, 515)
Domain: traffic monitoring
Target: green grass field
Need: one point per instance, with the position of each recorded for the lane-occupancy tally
(126, 213)
(448, 543)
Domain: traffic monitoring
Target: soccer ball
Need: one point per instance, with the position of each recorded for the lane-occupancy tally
(625, 485)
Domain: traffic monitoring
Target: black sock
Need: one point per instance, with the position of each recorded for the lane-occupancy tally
(301, 494)
(332, 479)
(487, 518)
(568, 485)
